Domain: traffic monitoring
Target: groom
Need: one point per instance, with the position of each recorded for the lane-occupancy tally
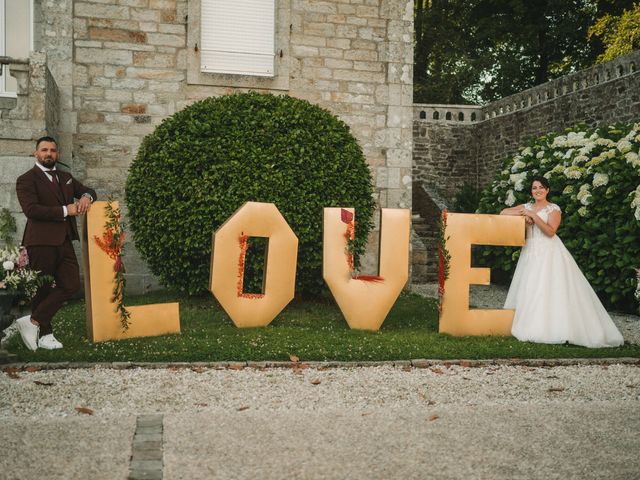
(50, 199)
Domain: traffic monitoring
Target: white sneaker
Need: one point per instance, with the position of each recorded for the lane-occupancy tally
(28, 332)
(49, 342)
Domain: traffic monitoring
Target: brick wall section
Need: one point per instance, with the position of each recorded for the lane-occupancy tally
(129, 72)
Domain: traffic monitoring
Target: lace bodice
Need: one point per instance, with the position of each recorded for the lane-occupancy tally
(533, 231)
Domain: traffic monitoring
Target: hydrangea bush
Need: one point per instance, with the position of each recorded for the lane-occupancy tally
(595, 179)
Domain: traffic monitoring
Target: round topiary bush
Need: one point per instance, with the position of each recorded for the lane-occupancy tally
(595, 179)
(204, 162)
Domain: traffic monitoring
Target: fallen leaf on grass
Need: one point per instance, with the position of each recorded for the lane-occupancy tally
(31, 369)
(465, 363)
(294, 359)
(433, 417)
(315, 382)
(556, 389)
(244, 407)
(45, 384)
(85, 410)
(236, 367)
(197, 369)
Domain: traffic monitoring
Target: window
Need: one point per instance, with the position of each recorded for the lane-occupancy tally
(238, 37)
(15, 38)
(239, 44)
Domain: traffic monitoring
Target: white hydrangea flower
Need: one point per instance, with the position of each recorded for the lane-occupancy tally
(517, 179)
(558, 169)
(605, 142)
(572, 172)
(636, 197)
(594, 135)
(511, 199)
(527, 152)
(636, 214)
(633, 158)
(540, 155)
(584, 195)
(579, 159)
(624, 146)
(600, 180)
(630, 135)
(582, 211)
(568, 153)
(567, 190)
(558, 154)
(559, 141)
(548, 174)
(518, 165)
(8, 265)
(505, 172)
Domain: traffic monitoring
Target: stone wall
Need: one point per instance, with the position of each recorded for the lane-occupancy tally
(451, 150)
(122, 66)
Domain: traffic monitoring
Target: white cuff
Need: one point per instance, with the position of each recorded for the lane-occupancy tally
(64, 211)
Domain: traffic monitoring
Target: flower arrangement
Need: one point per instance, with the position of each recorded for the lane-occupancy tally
(244, 246)
(444, 257)
(112, 244)
(17, 277)
(595, 179)
(350, 234)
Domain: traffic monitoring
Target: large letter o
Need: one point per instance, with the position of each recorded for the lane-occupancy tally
(254, 220)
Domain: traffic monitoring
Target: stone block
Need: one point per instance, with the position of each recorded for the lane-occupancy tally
(117, 35)
(362, 55)
(319, 29)
(336, 63)
(83, 9)
(304, 51)
(308, 40)
(331, 52)
(397, 157)
(173, 29)
(346, 31)
(360, 22)
(166, 39)
(152, 59)
(100, 56)
(163, 4)
(146, 15)
(316, 7)
(134, 108)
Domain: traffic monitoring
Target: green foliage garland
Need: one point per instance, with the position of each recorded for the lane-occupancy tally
(595, 179)
(204, 162)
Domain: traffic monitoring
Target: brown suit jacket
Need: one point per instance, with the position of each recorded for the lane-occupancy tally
(42, 202)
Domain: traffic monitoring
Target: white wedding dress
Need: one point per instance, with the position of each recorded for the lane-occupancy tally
(553, 300)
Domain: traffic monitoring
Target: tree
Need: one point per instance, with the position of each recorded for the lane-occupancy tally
(620, 34)
(478, 51)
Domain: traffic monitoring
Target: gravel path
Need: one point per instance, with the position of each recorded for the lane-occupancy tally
(493, 296)
(495, 422)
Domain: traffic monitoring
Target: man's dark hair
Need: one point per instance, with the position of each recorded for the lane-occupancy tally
(45, 139)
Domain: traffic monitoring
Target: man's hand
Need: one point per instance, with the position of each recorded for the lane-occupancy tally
(72, 209)
(83, 205)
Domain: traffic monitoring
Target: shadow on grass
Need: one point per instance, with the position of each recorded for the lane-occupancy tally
(309, 329)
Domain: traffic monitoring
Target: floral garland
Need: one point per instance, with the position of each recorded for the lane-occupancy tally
(244, 245)
(444, 258)
(350, 234)
(112, 244)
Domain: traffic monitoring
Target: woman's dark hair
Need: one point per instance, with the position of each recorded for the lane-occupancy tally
(543, 181)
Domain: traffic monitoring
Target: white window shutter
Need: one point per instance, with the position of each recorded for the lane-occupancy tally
(238, 37)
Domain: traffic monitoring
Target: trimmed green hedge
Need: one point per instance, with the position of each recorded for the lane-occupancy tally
(204, 162)
(595, 179)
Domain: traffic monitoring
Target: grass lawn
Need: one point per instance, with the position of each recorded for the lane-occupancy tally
(310, 330)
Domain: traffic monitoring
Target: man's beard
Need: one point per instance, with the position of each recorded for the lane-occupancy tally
(47, 162)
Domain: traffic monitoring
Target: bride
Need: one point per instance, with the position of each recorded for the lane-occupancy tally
(553, 301)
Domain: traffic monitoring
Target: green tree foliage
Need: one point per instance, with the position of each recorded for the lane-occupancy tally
(620, 34)
(200, 165)
(478, 51)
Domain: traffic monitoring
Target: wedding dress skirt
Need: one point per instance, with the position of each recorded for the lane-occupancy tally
(553, 300)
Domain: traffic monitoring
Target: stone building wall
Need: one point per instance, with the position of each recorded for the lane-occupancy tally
(453, 149)
(122, 66)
